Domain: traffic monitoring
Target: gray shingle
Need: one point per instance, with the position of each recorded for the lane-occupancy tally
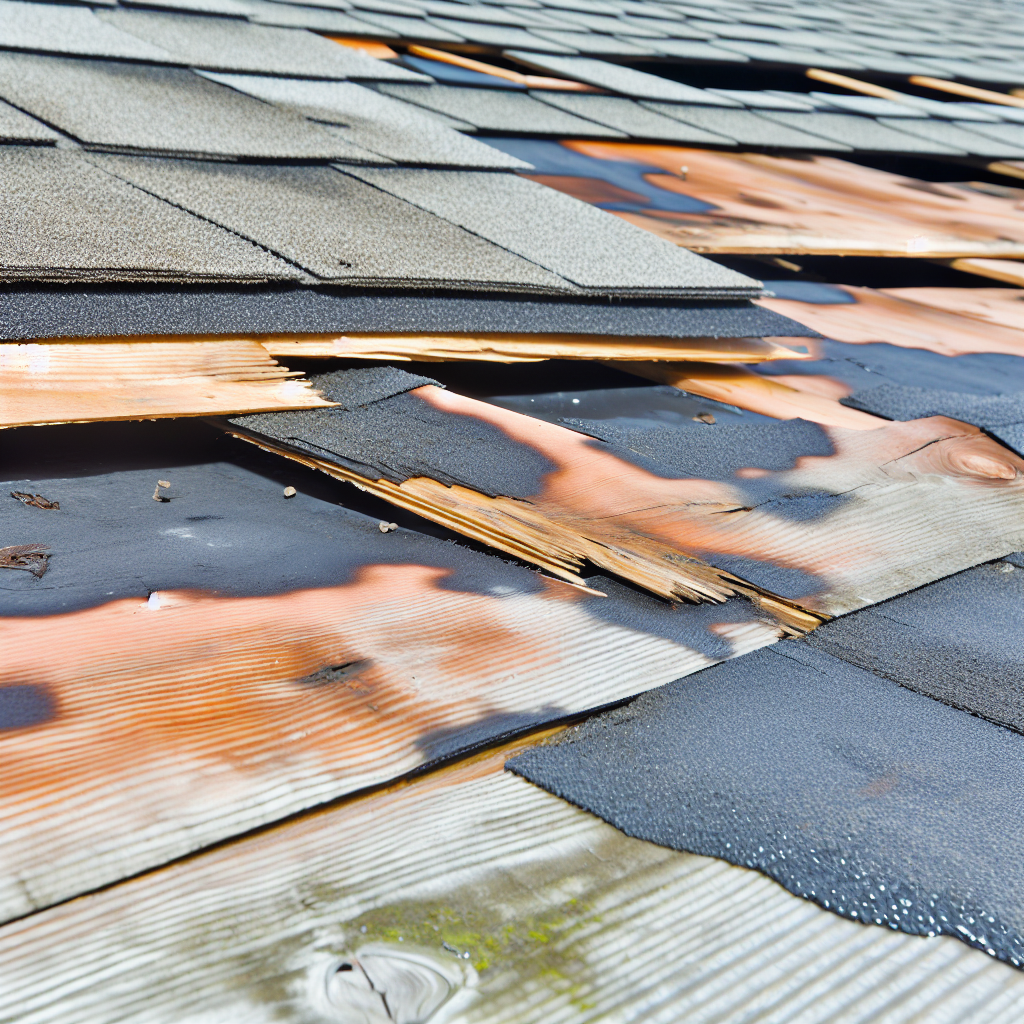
(746, 127)
(373, 121)
(496, 110)
(66, 220)
(1009, 135)
(870, 106)
(226, 44)
(315, 19)
(593, 42)
(628, 116)
(616, 78)
(964, 137)
(861, 133)
(765, 100)
(333, 225)
(18, 127)
(610, 25)
(770, 53)
(132, 107)
(54, 28)
(228, 8)
(588, 246)
(692, 50)
(407, 27)
(501, 35)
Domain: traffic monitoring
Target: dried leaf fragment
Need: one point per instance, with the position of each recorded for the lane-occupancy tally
(33, 558)
(386, 527)
(157, 496)
(34, 500)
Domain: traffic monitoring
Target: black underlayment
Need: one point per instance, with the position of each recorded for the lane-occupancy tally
(878, 803)
(96, 312)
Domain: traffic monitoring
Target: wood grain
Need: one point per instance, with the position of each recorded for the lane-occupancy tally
(1009, 271)
(823, 205)
(917, 501)
(536, 910)
(175, 722)
(1003, 307)
(74, 381)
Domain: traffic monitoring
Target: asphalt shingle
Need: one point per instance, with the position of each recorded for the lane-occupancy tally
(861, 133)
(745, 127)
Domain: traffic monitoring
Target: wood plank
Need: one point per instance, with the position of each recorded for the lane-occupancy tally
(900, 505)
(139, 731)
(1009, 271)
(76, 381)
(971, 92)
(818, 205)
(950, 321)
(509, 904)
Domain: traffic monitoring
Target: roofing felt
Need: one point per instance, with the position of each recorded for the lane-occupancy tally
(907, 402)
(498, 110)
(861, 133)
(229, 44)
(745, 127)
(18, 127)
(630, 117)
(917, 640)
(55, 28)
(617, 78)
(372, 121)
(875, 802)
(336, 227)
(103, 313)
(131, 107)
(570, 238)
(67, 220)
(963, 136)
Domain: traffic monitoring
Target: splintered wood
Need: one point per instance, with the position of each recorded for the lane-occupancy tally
(75, 381)
(901, 505)
(823, 205)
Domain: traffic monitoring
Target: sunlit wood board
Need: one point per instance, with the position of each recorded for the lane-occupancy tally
(470, 897)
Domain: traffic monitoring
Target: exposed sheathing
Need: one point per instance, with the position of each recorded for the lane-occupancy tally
(526, 907)
(75, 381)
(877, 803)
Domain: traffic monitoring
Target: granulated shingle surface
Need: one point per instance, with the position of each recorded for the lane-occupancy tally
(745, 127)
(132, 107)
(501, 35)
(963, 137)
(498, 110)
(627, 116)
(86, 312)
(960, 640)
(333, 225)
(592, 42)
(899, 402)
(373, 121)
(873, 801)
(18, 127)
(571, 238)
(862, 133)
(230, 44)
(67, 220)
(56, 28)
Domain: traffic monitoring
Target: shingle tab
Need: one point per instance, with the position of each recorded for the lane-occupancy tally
(336, 227)
(373, 121)
(745, 127)
(861, 133)
(501, 35)
(962, 136)
(499, 111)
(132, 107)
(581, 243)
(18, 127)
(227, 44)
(65, 219)
(592, 42)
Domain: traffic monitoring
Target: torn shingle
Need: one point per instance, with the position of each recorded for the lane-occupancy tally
(66, 220)
(570, 238)
(131, 107)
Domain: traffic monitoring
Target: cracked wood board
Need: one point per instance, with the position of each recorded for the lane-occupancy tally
(494, 899)
(827, 535)
(158, 727)
(63, 382)
(819, 205)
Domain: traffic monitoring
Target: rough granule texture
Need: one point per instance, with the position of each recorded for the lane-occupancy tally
(364, 385)
(896, 402)
(18, 127)
(921, 641)
(629, 117)
(1008, 135)
(132, 107)
(574, 239)
(1011, 434)
(315, 19)
(499, 35)
(957, 136)
(84, 313)
(55, 28)
(231, 44)
(745, 127)
(67, 220)
(592, 42)
(863, 133)
(373, 121)
(397, 26)
(627, 81)
(498, 111)
(333, 225)
(875, 802)
(400, 437)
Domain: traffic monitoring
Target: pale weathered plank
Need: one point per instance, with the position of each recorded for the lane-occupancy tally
(1003, 307)
(505, 904)
(76, 381)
